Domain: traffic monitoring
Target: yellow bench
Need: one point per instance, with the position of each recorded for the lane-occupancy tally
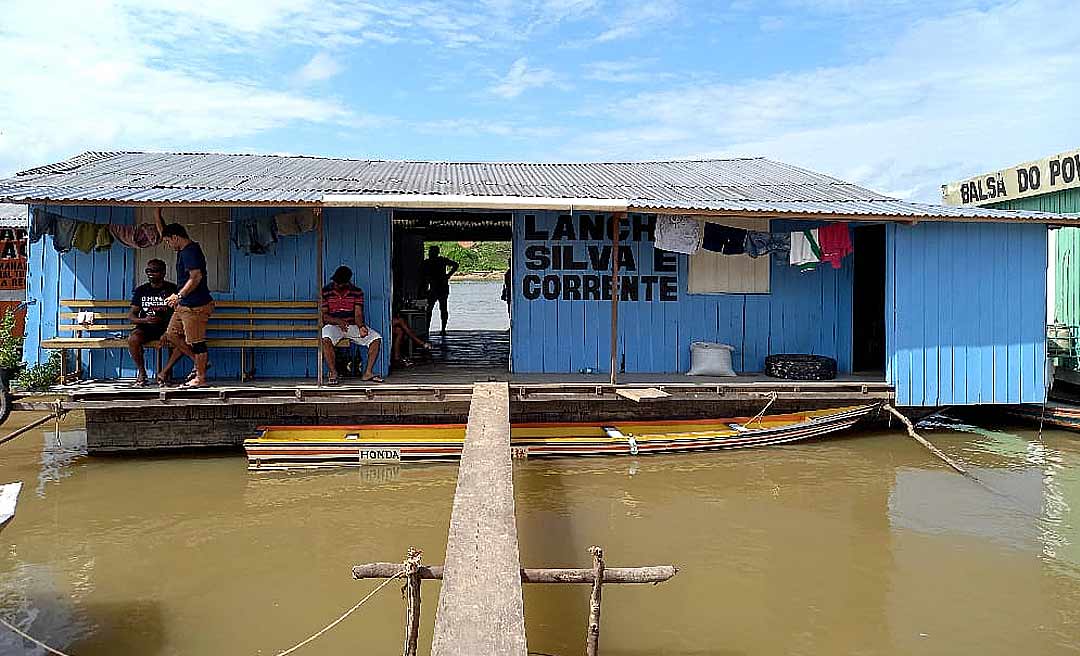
(255, 324)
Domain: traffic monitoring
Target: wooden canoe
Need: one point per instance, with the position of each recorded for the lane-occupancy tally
(288, 447)
(9, 496)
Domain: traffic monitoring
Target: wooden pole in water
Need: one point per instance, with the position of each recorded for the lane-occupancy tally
(592, 638)
(616, 227)
(412, 601)
(318, 294)
(581, 575)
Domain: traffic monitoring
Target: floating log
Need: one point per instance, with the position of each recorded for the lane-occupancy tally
(639, 575)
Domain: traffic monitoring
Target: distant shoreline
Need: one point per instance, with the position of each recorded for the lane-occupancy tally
(478, 276)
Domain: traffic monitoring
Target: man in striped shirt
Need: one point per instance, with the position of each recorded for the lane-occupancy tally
(343, 319)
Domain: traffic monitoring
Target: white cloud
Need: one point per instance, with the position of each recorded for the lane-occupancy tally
(82, 76)
(951, 96)
(626, 71)
(521, 78)
(637, 17)
(322, 66)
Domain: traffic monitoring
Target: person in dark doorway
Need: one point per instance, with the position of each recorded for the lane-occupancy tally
(436, 272)
(343, 319)
(507, 290)
(403, 332)
(192, 305)
(150, 313)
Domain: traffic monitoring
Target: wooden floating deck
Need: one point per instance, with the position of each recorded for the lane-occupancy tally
(120, 417)
(480, 610)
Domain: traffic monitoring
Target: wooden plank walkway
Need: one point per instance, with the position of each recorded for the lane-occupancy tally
(480, 611)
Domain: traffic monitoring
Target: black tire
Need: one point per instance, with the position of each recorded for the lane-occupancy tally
(795, 366)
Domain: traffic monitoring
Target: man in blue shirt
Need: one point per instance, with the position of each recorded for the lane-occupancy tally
(193, 304)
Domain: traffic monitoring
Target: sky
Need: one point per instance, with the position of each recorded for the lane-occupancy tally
(900, 96)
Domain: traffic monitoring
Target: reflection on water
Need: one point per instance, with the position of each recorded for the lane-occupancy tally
(861, 544)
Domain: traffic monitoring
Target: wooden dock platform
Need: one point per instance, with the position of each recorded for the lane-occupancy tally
(481, 612)
(122, 418)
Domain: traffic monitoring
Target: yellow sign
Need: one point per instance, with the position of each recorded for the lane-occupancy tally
(1049, 174)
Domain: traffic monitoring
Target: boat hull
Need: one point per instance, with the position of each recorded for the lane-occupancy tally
(9, 496)
(290, 447)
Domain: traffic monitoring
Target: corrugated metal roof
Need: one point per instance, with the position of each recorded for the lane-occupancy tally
(741, 185)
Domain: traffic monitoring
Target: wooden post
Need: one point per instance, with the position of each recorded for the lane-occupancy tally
(412, 601)
(318, 294)
(616, 224)
(592, 639)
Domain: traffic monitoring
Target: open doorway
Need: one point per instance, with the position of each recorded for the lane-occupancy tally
(475, 247)
(868, 302)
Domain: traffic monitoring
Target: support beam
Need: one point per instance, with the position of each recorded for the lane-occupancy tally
(616, 228)
(480, 610)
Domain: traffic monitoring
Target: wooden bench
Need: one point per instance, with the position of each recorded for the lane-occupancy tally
(249, 324)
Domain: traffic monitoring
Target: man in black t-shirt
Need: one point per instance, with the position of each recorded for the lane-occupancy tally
(150, 313)
(435, 272)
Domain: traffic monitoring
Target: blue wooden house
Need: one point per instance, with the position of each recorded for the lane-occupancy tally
(946, 304)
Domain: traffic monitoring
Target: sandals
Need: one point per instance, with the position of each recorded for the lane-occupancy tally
(333, 380)
(193, 384)
(140, 381)
(373, 379)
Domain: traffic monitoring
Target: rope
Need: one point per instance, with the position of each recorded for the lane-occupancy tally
(32, 425)
(288, 651)
(340, 619)
(772, 399)
(32, 639)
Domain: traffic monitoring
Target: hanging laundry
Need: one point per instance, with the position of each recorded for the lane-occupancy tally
(42, 223)
(679, 234)
(103, 239)
(835, 240)
(759, 244)
(294, 223)
(805, 251)
(143, 235)
(254, 235)
(64, 234)
(85, 236)
(723, 239)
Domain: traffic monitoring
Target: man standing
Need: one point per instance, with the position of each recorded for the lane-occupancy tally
(193, 304)
(436, 272)
(343, 318)
(150, 313)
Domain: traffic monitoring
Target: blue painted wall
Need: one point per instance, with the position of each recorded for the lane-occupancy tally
(967, 318)
(359, 238)
(804, 313)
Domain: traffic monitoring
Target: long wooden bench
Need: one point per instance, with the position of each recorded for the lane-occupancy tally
(248, 324)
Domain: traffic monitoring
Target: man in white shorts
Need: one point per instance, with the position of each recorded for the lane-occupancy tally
(343, 319)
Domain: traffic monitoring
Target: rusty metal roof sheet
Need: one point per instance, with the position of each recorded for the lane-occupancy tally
(739, 185)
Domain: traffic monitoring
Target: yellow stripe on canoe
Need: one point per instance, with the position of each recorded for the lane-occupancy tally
(453, 434)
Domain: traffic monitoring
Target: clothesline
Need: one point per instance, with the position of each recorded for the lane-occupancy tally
(253, 235)
(802, 248)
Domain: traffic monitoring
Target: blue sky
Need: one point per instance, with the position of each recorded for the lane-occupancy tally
(888, 94)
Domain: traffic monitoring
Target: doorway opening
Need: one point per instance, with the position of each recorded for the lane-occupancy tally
(868, 301)
(475, 247)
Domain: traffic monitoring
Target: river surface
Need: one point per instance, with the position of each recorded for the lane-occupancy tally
(861, 544)
(474, 305)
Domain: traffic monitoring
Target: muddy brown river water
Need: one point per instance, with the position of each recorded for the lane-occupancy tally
(862, 544)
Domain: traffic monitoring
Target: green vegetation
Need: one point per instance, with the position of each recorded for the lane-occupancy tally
(482, 256)
(11, 344)
(40, 377)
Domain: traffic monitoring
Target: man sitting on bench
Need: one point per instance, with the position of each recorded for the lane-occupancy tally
(150, 313)
(343, 318)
